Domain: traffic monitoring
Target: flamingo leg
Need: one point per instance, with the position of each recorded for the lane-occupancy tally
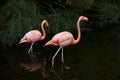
(30, 52)
(32, 48)
(63, 62)
(53, 58)
(62, 57)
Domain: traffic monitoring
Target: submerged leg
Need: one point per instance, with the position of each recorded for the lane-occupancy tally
(62, 58)
(30, 52)
(53, 58)
(66, 67)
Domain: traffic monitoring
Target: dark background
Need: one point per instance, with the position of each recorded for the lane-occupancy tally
(95, 57)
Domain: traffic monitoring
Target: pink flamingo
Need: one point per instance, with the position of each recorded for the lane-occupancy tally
(65, 38)
(33, 36)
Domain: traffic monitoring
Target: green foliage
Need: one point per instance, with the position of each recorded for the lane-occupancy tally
(18, 17)
(62, 21)
(111, 13)
(103, 13)
(81, 4)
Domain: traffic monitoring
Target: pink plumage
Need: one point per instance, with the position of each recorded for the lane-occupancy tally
(65, 38)
(62, 39)
(33, 36)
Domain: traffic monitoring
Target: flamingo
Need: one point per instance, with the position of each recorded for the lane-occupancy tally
(33, 36)
(65, 38)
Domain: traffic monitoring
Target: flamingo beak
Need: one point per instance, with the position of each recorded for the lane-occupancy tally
(86, 18)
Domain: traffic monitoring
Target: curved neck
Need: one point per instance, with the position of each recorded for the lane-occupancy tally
(43, 30)
(79, 32)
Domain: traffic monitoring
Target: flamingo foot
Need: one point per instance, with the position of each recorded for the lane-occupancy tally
(33, 55)
(30, 52)
(52, 69)
(67, 67)
(64, 67)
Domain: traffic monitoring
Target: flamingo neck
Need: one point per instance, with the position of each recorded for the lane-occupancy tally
(43, 31)
(79, 32)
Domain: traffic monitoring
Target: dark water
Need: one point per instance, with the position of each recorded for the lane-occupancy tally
(93, 58)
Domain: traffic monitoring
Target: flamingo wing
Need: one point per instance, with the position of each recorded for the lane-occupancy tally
(64, 38)
(33, 35)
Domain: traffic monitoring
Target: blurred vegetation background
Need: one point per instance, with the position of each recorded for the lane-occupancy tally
(20, 16)
(96, 57)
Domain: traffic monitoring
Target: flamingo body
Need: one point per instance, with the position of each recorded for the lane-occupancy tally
(65, 38)
(61, 39)
(33, 36)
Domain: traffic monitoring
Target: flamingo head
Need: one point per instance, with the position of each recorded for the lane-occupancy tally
(83, 18)
(46, 23)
